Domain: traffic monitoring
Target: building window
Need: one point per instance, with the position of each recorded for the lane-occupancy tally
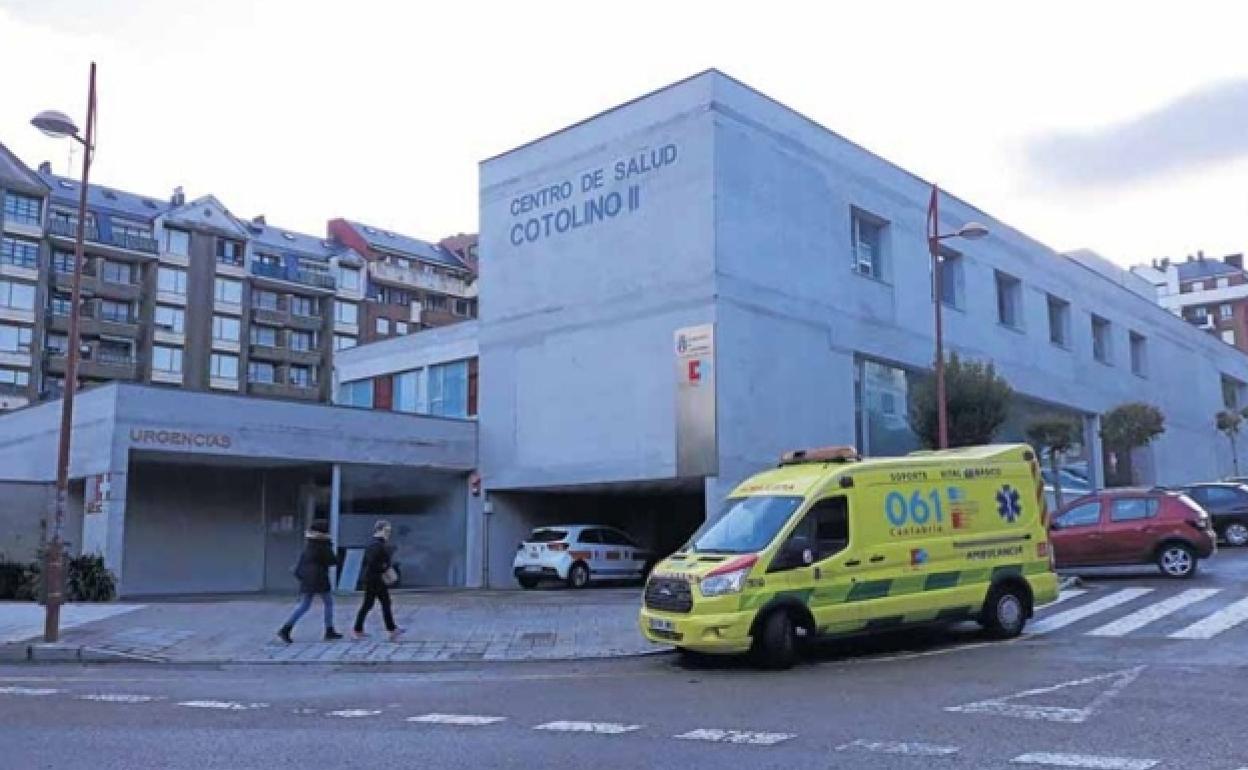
(1101, 348)
(344, 342)
(117, 312)
(171, 280)
(383, 325)
(59, 303)
(400, 327)
(56, 343)
(14, 378)
(358, 394)
(348, 278)
(18, 296)
(177, 242)
(302, 376)
(303, 341)
(115, 352)
(448, 389)
(867, 234)
(346, 313)
(15, 339)
(1198, 285)
(19, 252)
(24, 209)
(262, 372)
(126, 231)
(437, 302)
(264, 335)
(1139, 355)
(1059, 321)
(304, 306)
(1232, 390)
(117, 272)
(63, 262)
(228, 290)
(225, 329)
(951, 281)
(1009, 300)
(1225, 312)
(1222, 283)
(224, 366)
(165, 359)
(171, 318)
(265, 300)
(1228, 336)
(229, 252)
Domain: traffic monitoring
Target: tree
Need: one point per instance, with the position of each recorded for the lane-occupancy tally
(1229, 422)
(1055, 435)
(976, 399)
(1128, 427)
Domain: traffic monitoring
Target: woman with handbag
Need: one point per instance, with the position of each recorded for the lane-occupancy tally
(378, 575)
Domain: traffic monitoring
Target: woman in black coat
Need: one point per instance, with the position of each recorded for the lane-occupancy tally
(313, 574)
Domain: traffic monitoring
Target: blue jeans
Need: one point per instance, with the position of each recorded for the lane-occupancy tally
(305, 604)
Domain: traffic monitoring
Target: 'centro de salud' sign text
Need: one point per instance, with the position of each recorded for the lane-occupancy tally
(555, 209)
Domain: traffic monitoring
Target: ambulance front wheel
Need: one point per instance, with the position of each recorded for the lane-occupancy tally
(1005, 612)
(775, 646)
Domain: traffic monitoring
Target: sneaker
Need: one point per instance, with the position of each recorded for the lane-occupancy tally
(283, 633)
(331, 635)
(396, 633)
(357, 635)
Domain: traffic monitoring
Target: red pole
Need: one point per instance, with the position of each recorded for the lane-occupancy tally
(933, 245)
(54, 573)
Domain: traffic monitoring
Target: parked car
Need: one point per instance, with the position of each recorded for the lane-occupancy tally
(1133, 526)
(579, 554)
(1227, 503)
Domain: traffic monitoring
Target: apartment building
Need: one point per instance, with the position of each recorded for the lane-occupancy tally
(1208, 292)
(410, 284)
(24, 196)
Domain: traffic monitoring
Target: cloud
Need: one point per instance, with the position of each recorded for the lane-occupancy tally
(1199, 129)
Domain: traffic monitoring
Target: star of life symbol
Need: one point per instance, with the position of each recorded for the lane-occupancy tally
(1009, 504)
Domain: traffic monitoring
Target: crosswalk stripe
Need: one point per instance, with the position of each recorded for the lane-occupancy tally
(1227, 617)
(1067, 595)
(900, 747)
(735, 736)
(468, 720)
(1063, 619)
(599, 728)
(1084, 761)
(1153, 612)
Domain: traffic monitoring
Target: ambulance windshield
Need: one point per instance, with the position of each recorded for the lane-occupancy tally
(745, 525)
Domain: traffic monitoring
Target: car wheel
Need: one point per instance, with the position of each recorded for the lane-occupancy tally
(578, 576)
(775, 646)
(1177, 560)
(1004, 613)
(527, 582)
(1236, 534)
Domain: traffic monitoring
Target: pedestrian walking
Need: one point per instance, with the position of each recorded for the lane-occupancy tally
(378, 574)
(312, 571)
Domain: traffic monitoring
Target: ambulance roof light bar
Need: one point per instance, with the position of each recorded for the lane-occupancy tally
(828, 454)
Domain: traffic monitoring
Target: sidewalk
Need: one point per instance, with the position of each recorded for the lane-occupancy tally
(441, 626)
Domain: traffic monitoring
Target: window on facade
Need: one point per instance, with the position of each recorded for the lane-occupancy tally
(304, 341)
(228, 290)
(229, 252)
(15, 339)
(264, 335)
(56, 343)
(383, 325)
(177, 242)
(348, 278)
(951, 279)
(1225, 312)
(448, 389)
(344, 342)
(19, 252)
(166, 359)
(117, 272)
(16, 295)
(400, 327)
(1009, 300)
(171, 280)
(463, 307)
(63, 261)
(115, 351)
(117, 312)
(14, 378)
(171, 318)
(1228, 336)
(1139, 355)
(59, 303)
(68, 220)
(1059, 321)
(1198, 285)
(438, 302)
(358, 394)
(867, 243)
(882, 400)
(24, 209)
(224, 366)
(301, 375)
(409, 392)
(128, 231)
(1231, 392)
(1101, 347)
(262, 372)
(346, 313)
(303, 306)
(265, 300)
(225, 329)
(1223, 283)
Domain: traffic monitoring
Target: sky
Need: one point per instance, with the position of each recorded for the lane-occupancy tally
(1116, 126)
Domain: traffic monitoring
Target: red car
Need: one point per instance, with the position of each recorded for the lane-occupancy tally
(1133, 526)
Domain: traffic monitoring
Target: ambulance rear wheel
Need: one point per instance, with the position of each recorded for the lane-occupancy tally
(775, 647)
(1005, 612)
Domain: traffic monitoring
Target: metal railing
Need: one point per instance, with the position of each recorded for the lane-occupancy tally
(423, 279)
(293, 274)
(67, 229)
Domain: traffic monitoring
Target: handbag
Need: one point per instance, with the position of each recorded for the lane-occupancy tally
(390, 576)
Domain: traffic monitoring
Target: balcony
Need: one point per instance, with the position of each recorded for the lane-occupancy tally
(94, 285)
(278, 315)
(284, 390)
(268, 352)
(316, 280)
(69, 230)
(96, 366)
(305, 357)
(92, 322)
(422, 279)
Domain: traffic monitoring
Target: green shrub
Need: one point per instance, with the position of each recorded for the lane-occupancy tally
(86, 580)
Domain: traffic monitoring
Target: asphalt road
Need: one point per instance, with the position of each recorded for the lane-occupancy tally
(1135, 672)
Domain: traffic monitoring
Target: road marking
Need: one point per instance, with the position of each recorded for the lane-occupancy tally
(1228, 617)
(896, 747)
(456, 719)
(600, 728)
(117, 697)
(736, 736)
(353, 713)
(1063, 619)
(222, 705)
(1008, 707)
(1068, 594)
(28, 691)
(1084, 761)
(1154, 612)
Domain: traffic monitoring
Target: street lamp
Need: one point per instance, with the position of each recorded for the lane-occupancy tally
(59, 125)
(970, 231)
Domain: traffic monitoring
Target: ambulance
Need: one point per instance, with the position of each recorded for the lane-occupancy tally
(828, 544)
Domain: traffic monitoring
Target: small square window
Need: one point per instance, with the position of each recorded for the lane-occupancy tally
(867, 244)
(1225, 312)
(1228, 336)
(1009, 300)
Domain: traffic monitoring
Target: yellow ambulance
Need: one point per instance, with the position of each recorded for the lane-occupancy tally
(828, 544)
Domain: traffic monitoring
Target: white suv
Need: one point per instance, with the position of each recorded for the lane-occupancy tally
(578, 554)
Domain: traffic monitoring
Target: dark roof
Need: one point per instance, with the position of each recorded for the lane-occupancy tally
(106, 200)
(1205, 268)
(14, 174)
(266, 237)
(407, 246)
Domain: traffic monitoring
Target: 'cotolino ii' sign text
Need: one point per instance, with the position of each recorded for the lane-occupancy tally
(586, 200)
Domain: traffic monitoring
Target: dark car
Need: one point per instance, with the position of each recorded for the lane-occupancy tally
(1227, 503)
(1133, 526)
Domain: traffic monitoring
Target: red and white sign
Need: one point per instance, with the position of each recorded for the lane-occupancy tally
(99, 490)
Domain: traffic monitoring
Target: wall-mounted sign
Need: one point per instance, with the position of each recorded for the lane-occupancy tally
(180, 438)
(99, 491)
(697, 445)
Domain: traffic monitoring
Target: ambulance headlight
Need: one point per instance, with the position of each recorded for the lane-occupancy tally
(728, 579)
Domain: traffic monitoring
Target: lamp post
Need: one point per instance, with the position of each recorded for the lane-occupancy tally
(970, 231)
(60, 125)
